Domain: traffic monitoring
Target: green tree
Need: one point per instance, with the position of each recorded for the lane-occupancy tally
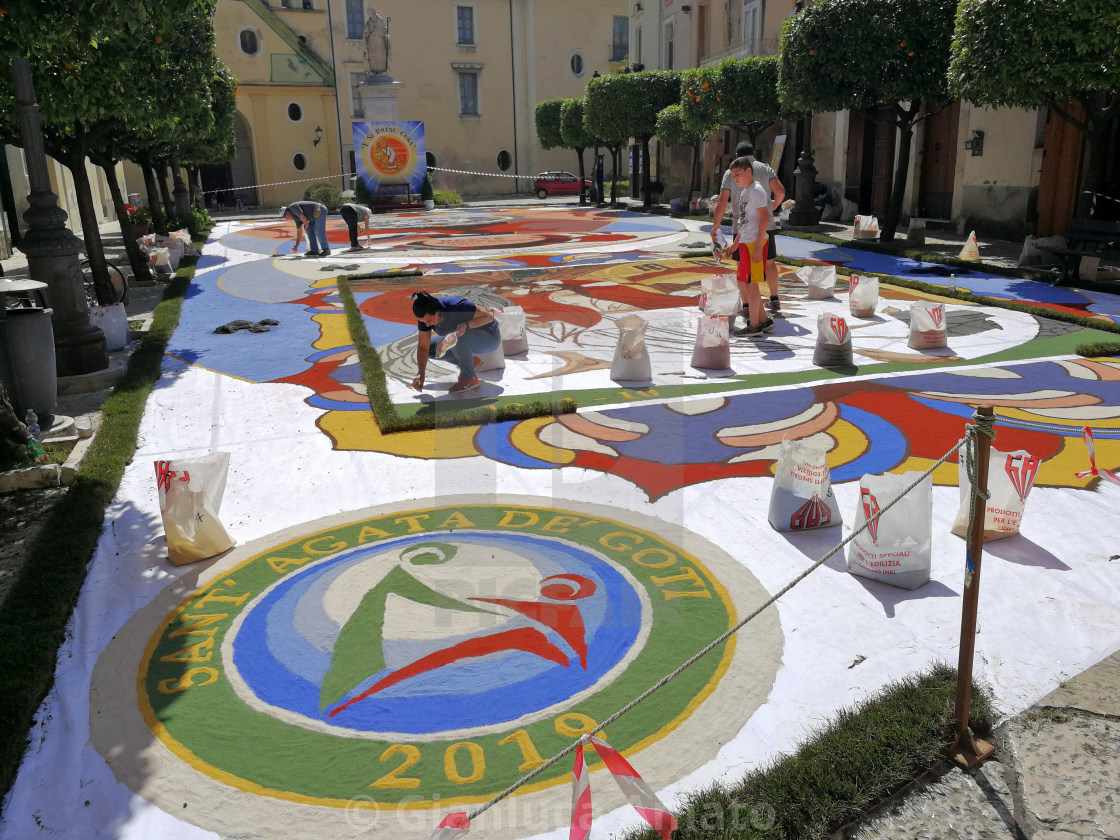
(549, 120)
(741, 93)
(604, 117)
(677, 129)
(1025, 53)
(575, 135)
(839, 54)
(627, 104)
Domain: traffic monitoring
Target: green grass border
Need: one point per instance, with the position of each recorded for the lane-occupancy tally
(443, 413)
(35, 614)
(861, 757)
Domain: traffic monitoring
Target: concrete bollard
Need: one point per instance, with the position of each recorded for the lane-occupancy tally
(916, 234)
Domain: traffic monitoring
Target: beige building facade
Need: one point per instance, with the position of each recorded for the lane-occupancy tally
(471, 71)
(1006, 171)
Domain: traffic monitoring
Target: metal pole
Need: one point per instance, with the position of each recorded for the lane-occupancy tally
(966, 749)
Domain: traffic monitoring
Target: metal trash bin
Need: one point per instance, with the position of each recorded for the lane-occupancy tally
(27, 345)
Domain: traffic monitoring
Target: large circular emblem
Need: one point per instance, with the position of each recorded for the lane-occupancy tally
(421, 658)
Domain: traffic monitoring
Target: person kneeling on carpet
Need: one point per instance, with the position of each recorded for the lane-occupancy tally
(475, 330)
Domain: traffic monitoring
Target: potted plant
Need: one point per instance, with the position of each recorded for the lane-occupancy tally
(141, 218)
(427, 194)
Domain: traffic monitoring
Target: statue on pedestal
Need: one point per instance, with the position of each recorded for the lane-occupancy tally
(376, 36)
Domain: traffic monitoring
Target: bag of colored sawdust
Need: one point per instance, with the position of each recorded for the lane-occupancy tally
(834, 342)
(898, 546)
(1010, 479)
(631, 359)
(928, 325)
(821, 280)
(719, 295)
(863, 296)
(190, 494)
(511, 324)
(801, 496)
(713, 343)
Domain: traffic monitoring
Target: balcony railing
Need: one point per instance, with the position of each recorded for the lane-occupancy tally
(744, 49)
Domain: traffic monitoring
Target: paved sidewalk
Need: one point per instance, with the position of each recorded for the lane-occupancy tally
(1053, 776)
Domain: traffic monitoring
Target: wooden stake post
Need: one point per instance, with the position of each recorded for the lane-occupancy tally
(967, 750)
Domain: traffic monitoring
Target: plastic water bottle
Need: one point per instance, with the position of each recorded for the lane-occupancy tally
(31, 421)
(953, 282)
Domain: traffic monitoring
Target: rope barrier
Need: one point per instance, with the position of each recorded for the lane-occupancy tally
(280, 183)
(982, 425)
(488, 174)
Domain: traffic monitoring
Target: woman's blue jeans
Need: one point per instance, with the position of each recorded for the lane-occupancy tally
(476, 341)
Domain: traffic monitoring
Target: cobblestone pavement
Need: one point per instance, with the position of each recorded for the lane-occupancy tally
(1053, 776)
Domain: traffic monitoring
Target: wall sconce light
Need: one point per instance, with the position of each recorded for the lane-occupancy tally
(976, 143)
(686, 9)
(637, 7)
(318, 134)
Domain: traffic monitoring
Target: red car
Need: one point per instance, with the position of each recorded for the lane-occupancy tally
(557, 183)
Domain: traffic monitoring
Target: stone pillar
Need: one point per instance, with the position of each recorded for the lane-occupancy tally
(51, 249)
(804, 213)
(379, 98)
(180, 194)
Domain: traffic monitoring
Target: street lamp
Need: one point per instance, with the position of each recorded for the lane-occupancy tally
(318, 135)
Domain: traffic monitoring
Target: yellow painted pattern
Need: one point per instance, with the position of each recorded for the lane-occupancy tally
(851, 443)
(357, 430)
(525, 436)
(333, 331)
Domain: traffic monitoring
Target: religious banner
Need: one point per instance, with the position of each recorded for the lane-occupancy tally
(390, 153)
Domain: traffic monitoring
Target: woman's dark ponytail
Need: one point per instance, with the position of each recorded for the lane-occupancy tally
(425, 304)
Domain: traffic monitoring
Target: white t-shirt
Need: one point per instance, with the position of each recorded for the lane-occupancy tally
(753, 198)
(763, 174)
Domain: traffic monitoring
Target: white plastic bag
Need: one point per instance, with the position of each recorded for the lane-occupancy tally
(1010, 479)
(821, 280)
(719, 295)
(190, 494)
(631, 359)
(713, 343)
(866, 227)
(801, 496)
(863, 295)
(897, 547)
(511, 324)
(927, 325)
(446, 343)
(494, 360)
(113, 321)
(160, 260)
(834, 342)
(174, 246)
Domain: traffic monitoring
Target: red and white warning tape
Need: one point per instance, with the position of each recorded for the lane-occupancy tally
(280, 183)
(1094, 471)
(487, 174)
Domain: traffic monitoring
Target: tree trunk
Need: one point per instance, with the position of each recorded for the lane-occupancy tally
(165, 193)
(582, 188)
(76, 162)
(647, 199)
(180, 195)
(901, 171)
(135, 259)
(694, 172)
(159, 221)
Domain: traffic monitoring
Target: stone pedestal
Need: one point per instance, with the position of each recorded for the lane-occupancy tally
(379, 98)
(804, 213)
(51, 249)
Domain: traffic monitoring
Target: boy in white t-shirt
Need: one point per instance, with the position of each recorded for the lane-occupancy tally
(751, 242)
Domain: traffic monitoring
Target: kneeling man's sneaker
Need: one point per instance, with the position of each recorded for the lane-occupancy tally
(463, 385)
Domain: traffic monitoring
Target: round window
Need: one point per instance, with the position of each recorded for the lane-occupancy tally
(577, 63)
(505, 160)
(295, 113)
(299, 161)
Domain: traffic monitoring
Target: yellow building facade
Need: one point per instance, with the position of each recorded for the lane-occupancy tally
(471, 71)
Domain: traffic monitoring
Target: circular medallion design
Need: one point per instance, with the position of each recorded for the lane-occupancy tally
(419, 658)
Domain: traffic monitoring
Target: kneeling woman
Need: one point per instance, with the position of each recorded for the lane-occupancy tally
(476, 329)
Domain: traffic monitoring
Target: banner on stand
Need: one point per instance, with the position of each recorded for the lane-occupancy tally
(390, 153)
